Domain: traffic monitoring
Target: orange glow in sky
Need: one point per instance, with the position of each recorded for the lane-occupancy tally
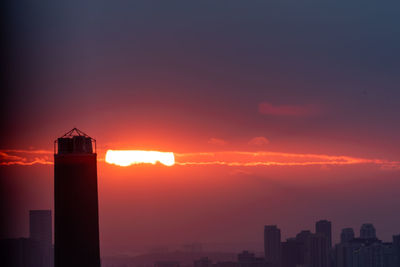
(130, 157)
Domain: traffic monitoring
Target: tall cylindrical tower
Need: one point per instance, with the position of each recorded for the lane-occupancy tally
(76, 224)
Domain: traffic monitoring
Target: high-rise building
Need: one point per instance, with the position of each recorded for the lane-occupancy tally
(40, 231)
(40, 226)
(76, 232)
(396, 244)
(292, 253)
(369, 255)
(346, 235)
(367, 231)
(302, 238)
(344, 250)
(20, 252)
(272, 245)
(389, 258)
(396, 240)
(366, 252)
(324, 227)
(317, 250)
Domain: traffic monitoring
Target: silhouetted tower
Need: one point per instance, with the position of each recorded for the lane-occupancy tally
(40, 226)
(76, 224)
(396, 245)
(41, 233)
(347, 235)
(325, 227)
(367, 231)
(317, 251)
(292, 253)
(272, 245)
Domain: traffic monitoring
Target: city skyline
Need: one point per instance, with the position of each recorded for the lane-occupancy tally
(43, 226)
(288, 253)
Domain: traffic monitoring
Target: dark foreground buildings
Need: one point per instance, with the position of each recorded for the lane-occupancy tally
(366, 250)
(40, 232)
(309, 249)
(324, 227)
(76, 230)
(272, 245)
(35, 251)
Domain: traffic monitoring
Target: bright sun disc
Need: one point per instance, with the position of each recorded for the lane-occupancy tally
(130, 157)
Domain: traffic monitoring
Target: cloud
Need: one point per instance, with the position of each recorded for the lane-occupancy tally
(217, 141)
(267, 108)
(4, 156)
(27, 151)
(258, 141)
(9, 157)
(268, 158)
(237, 159)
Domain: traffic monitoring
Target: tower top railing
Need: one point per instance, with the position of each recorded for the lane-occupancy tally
(75, 142)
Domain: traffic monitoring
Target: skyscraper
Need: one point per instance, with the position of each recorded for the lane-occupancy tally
(346, 235)
(396, 244)
(40, 226)
(272, 245)
(367, 231)
(40, 232)
(292, 253)
(324, 227)
(76, 230)
(302, 239)
(317, 251)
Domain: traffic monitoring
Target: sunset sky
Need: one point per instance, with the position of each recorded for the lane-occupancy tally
(277, 112)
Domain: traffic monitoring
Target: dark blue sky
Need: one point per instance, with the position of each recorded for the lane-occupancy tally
(212, 61)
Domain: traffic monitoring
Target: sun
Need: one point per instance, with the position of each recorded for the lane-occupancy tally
(131, 157)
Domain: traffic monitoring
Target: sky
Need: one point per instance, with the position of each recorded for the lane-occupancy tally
(312, 86)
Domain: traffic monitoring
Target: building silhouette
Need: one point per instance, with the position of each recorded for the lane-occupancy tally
(292, 251)
(346, 235)
(19, 252)
(396, 244)
(366, 250)
(344, 250)
(302, 238)
(367, 231)
(76, 232)
(317, 251)
(272, 245)
(324, 227)
(35, 251)
(40, 231)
